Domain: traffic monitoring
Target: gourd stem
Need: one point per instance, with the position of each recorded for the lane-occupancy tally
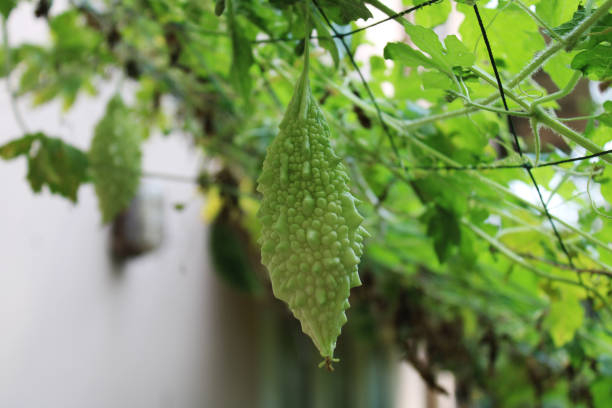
(304, 88)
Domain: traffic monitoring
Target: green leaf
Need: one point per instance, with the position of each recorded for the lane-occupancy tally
(601, 389)
(595, 63)
(513, 35)
(242, 54)
(408, 56)
(325, 39)
(229, 252)
(565, 317)
(440, 58)
(17, 147)
(345, 11)
(559, 68)
(435, 80)
(568, 26)
(443, 228)
(115, 159)
(427, 40)
(432, 16)
(219, 7)
(555, 12)
(51, 162)
(6, 6)
(457, 53)
(606, 116)
(598, 32)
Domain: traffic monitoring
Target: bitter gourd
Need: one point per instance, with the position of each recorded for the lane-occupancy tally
(115, 158)
(312, 237)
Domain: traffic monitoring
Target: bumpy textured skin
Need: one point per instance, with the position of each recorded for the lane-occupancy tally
(312, 238)
(114, 159)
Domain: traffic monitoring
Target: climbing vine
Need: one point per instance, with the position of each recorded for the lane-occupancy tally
(477, 141)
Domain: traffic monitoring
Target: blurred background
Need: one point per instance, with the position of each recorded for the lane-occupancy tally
(467, 299)
(84, 322)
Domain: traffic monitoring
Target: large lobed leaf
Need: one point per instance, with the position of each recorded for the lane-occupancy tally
(51, 162)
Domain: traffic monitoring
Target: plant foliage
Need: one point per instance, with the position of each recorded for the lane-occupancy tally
(495, 260)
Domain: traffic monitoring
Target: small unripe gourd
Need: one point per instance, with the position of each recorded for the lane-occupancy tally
(312, 238)
(115, 158)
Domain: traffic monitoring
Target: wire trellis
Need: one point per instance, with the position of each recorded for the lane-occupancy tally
(515, 136)
(339, 35)
(526, 165)
(478, 167)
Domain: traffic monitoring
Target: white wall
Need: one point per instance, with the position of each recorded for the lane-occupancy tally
(77, 331)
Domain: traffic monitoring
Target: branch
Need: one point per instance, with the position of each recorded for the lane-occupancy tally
(513, 256)
(570, 39)
(566, 266)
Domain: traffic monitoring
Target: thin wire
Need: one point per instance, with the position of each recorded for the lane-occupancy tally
(498, 79)
(355, 31)
(194, 180)
(516, 140)
(365, 84)
(528, 167)
(477, 167)
(590, 156)
(392, 17)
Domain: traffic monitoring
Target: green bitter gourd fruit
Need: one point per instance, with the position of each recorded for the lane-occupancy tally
(114, 159)
(312, 238)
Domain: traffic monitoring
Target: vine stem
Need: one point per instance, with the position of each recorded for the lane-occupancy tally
(540, 114)
(570, 39)
(521, 261)
(532, 227)
(568, 132)
(538, 20)
(379, 113)
(593, 205)
(517, 258)
(537, 140)
(8, 68)
(567, 89)
(516, 140)
(509, 192)
(304, 81)
(414, 139)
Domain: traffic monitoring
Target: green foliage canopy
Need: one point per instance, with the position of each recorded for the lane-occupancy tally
(472, 247)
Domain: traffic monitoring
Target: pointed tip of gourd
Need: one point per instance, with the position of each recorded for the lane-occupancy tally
(327, 363)
(317, 289)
